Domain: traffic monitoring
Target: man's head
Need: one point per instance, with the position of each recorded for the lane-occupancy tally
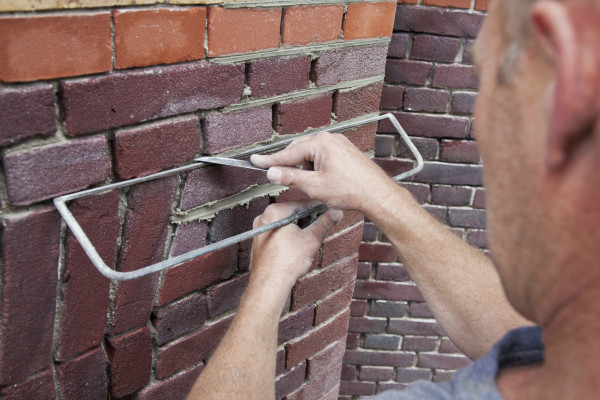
(537, 123)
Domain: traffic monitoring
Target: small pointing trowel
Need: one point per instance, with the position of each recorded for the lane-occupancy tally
(231, 162)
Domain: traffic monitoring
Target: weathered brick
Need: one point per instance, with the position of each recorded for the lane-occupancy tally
(130, 357)
(39, 387)
(409, 375)
(147, 149)
(341, 245)
(394, 167)
(460, 151)
(355, 102)
(30, 246)
(191, 349)
(419, 191)
(318, 339)
(407, 71)
(455, 77)
(237, 220)
(386, 291)
(451, 195)
(377, 252)
(45, 46)
(358, 308)
(349, 64)
(478, 239)
(383, 358)
(384, 146)
(323, 362)
(450, 174)
(467, 218)
(463, 103)
(176, 387)
(144, 234)
(391, 272)
(85, 290)
(45, 172)
(367, 325)
(370, 232)
(448, 3)
(304, 25)
(179, 318)
(25, 112)
(434, 48)
(391, 97)
(125, 98)
(435, 126)
(328, 280)
(423, 99)
(198, 273)
(429, 148)
(419, 343)
(226, 296)
(369, 20)
(410, 327)
(296, 116)
(158, 36)
(84, 377)
(420, 310)
(479, 198)
(242, 30)
(189, 237)
(442, 361)
(333, 304)
(398, 45)
(348, 372)
(296, 324)
(352, 340)
(376, 373)
(290, 381)
(275, 76)
(323, 387)
(357, 388)
(438, 21)
(381, 342)
(382, 308)
(226, 131)
(363, 138)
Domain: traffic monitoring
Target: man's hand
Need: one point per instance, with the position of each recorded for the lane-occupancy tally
(283, 255)
(343, 177)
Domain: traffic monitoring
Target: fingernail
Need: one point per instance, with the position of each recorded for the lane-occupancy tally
(337, 215)
(254, 158)
(274, 174)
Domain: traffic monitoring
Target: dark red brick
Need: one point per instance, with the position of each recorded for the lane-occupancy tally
(367, 325)
(226, 296)
(463, 103)
(30, 249)
(179, 318)
(362, 137)
(26, 111)
(419, 343)
(392, 272)
(467, 218)
(438, 212)
(419, 328)
(376, 373)
(39, 387)
(355, 102)
(370, 232)
(337, 247)
(144, 234)
(384, 145)
(383, 358)
(429, 148)
(191, 349)
(226, 131)
(318, 339)
(147, 149)
(455, 77)
(442, 361)
(435, 126)
(392, 97)
(124, 98)
(323, 362)
(450, 174)
(357, 388)
(317, 286)
(130, 357)
(407, 71)
(479, 198)
(323, 387)
(189, 237)
(358, 308)
(333, 304)
(446, 346)
(176, 387)
(84, 377)
(438, 20)
(420, 310)
(49, 171)
(377, 252)
(296, 324)
(275, 76)
(296, 116)
(386, 291)
(419, 191)
(434, 48)
(85, 290)
(459, 151)
(478, 239)
(348, 372)
(290, 381)
(352, 340)
(348, 64)
(423, 99)
(237, 220)
(409, 375)
(198, 273)
(451, 195)
(398, 45)
(382, 308)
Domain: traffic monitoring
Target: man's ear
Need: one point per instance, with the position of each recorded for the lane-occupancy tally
(574, 93)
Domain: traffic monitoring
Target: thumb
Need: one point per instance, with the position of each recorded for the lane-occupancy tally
(324, 224)
(291, 176)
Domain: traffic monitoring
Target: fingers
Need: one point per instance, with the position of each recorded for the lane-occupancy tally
(291, 177)
(323, 225)
(300, 150)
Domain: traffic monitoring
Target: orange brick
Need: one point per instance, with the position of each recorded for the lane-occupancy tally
(46, 47)
(312, 24)
(242, 30)
(448, 3)
(408, 1)
(482, 5)
(160, 36)
(369, 20)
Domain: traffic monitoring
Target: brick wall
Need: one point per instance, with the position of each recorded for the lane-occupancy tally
(430, 85)
(94, 92)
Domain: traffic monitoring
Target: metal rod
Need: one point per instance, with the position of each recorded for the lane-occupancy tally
(90, 250)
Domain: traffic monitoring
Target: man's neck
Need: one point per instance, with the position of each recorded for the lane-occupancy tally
(570, 368)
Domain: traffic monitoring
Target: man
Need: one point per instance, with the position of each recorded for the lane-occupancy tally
(538, 128)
